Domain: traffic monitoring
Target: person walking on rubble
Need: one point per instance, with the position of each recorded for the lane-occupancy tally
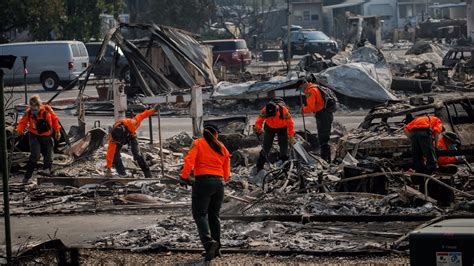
(42, 125)
(423, 132)
(278, 121)
(209, 159)
(124, 132)
(449, 141)
(322, 104)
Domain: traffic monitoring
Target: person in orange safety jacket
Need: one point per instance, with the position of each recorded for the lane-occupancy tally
(448, 141)
(209, 159)
(278, 121)
(42, 124)
(324, 118)
(423, 132)
(124, 132)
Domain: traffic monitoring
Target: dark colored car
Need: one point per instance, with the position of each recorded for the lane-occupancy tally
(230, 52)
(102, 70)
(310, 42)
(456, 54)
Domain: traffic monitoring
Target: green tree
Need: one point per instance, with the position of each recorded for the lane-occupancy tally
(37, 16)
(82, 17)
(191, 15)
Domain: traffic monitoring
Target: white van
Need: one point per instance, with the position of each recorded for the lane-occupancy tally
(51, 63)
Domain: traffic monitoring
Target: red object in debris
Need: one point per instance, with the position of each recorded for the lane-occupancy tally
(230, 52)
(70, 65)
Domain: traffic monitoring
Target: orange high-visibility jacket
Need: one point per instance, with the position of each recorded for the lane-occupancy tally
(45, 112)
(205, 161)
(314, 99)
(276, 121)
(132, 125)
(427, 121)
(445, 160)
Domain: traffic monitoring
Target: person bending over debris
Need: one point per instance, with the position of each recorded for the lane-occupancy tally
(278, 121)
(124, 132)
(210, 161)
(323, 104)
(423, 132)
(449, 141)
(42, 123)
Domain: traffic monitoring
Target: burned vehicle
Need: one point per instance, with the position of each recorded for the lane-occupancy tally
(381, 133)
(457, 54)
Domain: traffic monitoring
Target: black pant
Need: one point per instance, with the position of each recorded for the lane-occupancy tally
(268, 136)
(137, 156)
(324, 120)
(207, 197)
(422, 148)
(39, 145)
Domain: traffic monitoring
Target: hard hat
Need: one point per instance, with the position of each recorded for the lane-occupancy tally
(453, 137)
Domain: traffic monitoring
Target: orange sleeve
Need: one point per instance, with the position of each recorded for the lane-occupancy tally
(139, 117)
(445, 160)
(310, 102)
(226, 166)
(23, 123)
(437, 125)
(189, 161)
(260, 119)
(110, 154)
(54, 120)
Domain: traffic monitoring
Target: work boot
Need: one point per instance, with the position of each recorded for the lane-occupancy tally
(147, 173)
(326, 153)
(211, 249)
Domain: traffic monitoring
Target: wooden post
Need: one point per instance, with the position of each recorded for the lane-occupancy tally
(196, 110)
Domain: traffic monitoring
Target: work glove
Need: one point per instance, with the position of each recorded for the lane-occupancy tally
(57, 135)
(108, 172)
(257, 131)
(292, 141)
(156, 107)
(184, 182)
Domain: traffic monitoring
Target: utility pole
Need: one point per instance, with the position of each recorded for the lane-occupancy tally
(25, 71)
(5, 62)
(288, 53)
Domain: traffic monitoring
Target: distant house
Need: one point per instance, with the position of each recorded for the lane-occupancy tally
(308, 14)
(470, 18)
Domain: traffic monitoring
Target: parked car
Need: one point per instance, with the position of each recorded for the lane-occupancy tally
(51, 63)
(230, 53)
(102, 70)
(309, 42)
(456, 54)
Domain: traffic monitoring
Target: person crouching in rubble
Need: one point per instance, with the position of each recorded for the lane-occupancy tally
(315, 103)
(210, 161)
(278, 121)
(423, 132)
(449, 141)
(124, 132)
(42, 124)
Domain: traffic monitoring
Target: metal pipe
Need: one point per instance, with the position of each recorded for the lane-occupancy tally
(288, 50)
(24, 58)
(150, 127)
(5, 174)
(161, 145)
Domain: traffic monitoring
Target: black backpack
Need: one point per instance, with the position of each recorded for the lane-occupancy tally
(42, 125)
(330, 99)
